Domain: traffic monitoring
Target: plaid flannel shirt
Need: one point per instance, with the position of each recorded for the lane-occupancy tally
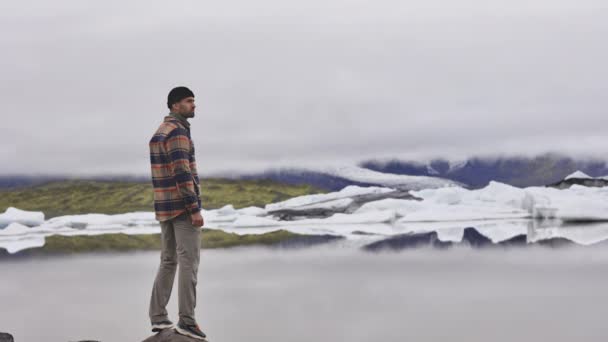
(174, 174)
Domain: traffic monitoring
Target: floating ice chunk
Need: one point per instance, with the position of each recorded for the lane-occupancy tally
(254, 221)
(380, 216)
(401, 207)
(226, 213)
(228, 209)
(346, 192)
(28, 218)
(16, 245)
(252, 211)
(451, 195)
(15, 228)
(100, 221)
(583, 235)
(441, 212)
(577, 203)
(337, 204)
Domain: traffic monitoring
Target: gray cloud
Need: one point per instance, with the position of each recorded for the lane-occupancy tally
(301, 83)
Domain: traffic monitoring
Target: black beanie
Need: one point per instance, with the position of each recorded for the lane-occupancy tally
(177, 94)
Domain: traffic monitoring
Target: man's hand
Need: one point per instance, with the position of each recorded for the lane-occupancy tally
(197, 219)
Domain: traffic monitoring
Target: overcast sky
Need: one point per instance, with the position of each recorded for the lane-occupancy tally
(300, 83)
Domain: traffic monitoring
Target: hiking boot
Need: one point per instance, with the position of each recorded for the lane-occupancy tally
(158, 326)
(190, 330)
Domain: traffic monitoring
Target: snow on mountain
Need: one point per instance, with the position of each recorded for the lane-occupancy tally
(457, 164)
(431, 170)
(578, 174)
(405, 182)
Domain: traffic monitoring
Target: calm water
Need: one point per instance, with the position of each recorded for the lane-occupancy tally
(320, 294)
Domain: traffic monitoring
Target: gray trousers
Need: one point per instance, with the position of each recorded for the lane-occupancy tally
(181, 244)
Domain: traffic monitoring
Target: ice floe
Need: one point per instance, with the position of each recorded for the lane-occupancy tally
(498, 211)
(28, 218)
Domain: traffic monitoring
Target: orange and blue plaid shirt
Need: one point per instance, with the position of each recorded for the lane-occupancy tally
(174, 174)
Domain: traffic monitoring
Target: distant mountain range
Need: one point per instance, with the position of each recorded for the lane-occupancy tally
(335, 178)
(474, 172)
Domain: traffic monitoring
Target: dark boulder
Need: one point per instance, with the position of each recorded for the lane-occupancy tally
(6, 337)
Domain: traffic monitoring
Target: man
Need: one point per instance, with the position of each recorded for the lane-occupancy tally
(177, 207)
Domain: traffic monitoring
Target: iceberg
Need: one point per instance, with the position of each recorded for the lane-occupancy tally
(498, 211)
(28, 218)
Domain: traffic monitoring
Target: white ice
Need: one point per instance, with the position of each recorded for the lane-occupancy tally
(364, 175)
(28, 218)
(499, 211)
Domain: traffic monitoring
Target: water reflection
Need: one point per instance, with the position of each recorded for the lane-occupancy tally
(321, 294)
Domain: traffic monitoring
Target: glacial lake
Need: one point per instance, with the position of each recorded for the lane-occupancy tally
(321, 293)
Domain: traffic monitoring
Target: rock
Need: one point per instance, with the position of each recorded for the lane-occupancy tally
(6, 337)
(169, 335)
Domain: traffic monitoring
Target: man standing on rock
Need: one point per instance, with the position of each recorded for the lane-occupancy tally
(177, 205)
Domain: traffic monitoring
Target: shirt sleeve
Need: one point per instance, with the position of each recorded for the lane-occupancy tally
(178, 146)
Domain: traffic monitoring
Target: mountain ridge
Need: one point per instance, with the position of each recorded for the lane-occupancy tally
(473, 172)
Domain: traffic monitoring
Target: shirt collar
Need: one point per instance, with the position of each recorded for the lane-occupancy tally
(180, 118)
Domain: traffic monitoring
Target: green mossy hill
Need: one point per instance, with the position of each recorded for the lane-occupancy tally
(72, 197)
(120, 242)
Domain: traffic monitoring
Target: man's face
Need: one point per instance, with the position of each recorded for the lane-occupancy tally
(185, 107)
